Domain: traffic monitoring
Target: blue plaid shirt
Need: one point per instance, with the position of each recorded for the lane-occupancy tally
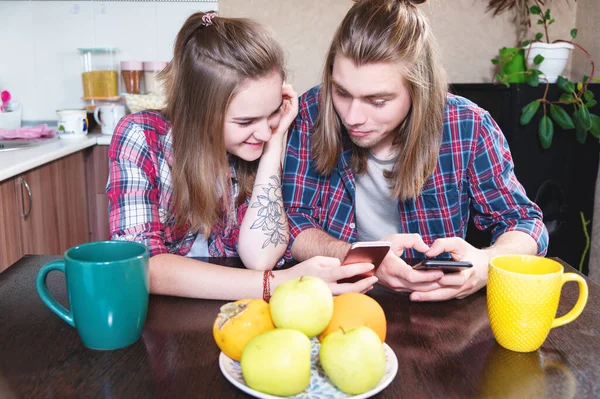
(474, 172)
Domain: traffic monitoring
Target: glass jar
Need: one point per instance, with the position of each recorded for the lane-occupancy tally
(99, 76)
(151, 69)
(131, 71)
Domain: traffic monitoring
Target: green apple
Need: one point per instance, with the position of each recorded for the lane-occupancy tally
(354, 360)
(304, 304)
(277, 362)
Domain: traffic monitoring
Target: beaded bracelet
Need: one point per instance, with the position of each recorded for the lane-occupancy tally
(267, 285)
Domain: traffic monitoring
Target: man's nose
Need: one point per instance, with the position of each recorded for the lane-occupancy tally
(355, 115)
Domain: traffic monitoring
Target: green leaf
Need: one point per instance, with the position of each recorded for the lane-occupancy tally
(495, 61)
(584, 117)
(590, 104)
(547, 14)
(569, 87)
(528, 111)
(561, 82)
(595, 130)
(551, 21)
(561, 117)
(566, 97)
(573, 33)
(580, 132)
(535, 10)
(540, 21)
(538, 59)
(585, 79)
(533, 79)
(539, 35)
(546, 131)
(526, 43)
(588, 95)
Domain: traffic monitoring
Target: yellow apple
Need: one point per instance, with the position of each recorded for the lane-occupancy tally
(304, 304)
(277, 362)
(354, 360)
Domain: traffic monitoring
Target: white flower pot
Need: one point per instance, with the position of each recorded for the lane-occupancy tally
(556, 56)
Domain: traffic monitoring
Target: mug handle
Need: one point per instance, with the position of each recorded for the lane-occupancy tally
(96, 117)
(581, 301)
(42, 289)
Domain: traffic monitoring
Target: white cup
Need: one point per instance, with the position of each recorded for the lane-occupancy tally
(108, 116)
(72, 123)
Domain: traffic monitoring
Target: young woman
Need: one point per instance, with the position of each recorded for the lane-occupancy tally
(201, 177)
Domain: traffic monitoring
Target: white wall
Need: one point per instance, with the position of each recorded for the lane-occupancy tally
(39, 61)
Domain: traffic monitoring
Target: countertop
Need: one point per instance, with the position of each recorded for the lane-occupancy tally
(15, 162)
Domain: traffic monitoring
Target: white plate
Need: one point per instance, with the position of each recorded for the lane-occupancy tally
(320, 386)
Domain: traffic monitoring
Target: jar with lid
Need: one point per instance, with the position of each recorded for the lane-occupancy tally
(99, 76)
(151, 69)
(131, 71)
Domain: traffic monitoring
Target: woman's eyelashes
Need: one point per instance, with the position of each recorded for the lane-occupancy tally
(245, 123)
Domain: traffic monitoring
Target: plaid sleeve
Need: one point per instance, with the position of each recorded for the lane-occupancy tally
(499, 200)
(132, 193)
(301, 183)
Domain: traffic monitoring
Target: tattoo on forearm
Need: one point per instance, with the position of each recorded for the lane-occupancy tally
(270, 212)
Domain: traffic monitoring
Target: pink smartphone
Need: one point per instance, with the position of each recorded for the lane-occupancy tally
(365, 252)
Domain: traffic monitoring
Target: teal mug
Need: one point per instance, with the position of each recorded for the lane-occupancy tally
(108, 289)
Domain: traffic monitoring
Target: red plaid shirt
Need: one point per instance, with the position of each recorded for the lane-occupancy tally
(474, 173)
(140, 191)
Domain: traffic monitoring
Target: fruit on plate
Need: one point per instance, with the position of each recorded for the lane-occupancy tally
(354, 310)
(277, 362)
(353, 359)
(304, 304)
(238, 322)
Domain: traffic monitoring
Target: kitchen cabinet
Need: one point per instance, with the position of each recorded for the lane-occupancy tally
(97, 175)
(47, 212)
(10, 213)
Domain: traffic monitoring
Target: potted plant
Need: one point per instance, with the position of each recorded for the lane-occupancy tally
(552, 56)
(571, 109)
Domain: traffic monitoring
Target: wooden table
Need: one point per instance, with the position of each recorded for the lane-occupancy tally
(444, 350)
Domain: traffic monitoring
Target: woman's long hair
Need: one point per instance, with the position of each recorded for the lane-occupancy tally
(393, 31)
(211, 61)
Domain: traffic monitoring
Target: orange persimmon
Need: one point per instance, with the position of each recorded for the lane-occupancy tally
(238, 322)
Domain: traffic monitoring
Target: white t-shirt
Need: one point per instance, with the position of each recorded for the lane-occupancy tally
(377, 214)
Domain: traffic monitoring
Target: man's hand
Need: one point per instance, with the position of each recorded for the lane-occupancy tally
(461, 284)
(394, 273)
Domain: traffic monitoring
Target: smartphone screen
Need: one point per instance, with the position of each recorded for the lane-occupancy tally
(366, 252)
(445, 265)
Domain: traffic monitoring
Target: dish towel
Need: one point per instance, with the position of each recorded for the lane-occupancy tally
(29, 132)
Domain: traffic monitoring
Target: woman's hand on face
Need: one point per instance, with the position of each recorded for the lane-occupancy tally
(288, 110)
(330, 270)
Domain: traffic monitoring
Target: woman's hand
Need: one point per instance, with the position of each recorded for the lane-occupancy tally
(330, 271)
(287, 112)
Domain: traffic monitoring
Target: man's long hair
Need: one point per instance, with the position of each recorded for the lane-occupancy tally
(392, 31)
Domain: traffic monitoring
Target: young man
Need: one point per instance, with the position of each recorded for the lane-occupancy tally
(382, 152)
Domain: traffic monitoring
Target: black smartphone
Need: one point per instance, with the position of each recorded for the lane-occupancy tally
(365, 252)
(445, 265)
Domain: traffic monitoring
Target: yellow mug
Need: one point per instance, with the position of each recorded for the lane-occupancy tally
(523, 292)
